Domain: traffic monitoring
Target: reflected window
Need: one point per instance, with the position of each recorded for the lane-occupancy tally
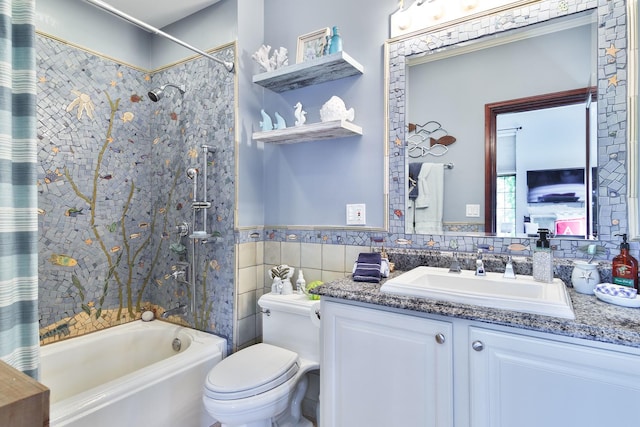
(506, 204)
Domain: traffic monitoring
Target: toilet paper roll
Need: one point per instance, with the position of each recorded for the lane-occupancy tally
(314, 314)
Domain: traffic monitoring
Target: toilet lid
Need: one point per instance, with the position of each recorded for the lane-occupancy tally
(251, 371)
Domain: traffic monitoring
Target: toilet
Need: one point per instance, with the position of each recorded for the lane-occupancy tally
(263, 385)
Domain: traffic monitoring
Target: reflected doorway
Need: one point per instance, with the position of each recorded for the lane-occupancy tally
(540, 165)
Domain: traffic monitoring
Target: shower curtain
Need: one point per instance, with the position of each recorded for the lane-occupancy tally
(19, 340)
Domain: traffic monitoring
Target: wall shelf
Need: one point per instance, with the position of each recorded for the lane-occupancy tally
(326, 68)
(310, 132)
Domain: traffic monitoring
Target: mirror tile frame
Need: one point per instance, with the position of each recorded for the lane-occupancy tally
(612, 115)
(633, 119)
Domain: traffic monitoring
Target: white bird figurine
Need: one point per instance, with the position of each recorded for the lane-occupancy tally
(300, 114)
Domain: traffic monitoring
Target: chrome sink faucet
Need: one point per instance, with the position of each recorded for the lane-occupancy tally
(455, 265)
(480, 271)
(509, 272)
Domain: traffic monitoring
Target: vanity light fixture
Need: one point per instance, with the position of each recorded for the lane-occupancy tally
(422, 14)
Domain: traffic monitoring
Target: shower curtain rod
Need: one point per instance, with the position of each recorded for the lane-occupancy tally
(108, 8)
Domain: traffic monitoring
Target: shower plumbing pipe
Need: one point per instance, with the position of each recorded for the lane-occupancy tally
(205, 151)
(192, 278)
(110, 9)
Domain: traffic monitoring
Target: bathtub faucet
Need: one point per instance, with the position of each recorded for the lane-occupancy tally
(179, 310)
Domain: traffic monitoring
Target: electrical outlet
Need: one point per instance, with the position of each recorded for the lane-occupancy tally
(356, 214)
(473, 211)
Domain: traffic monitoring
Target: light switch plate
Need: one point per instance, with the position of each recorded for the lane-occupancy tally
(473, 211)
(356, 214)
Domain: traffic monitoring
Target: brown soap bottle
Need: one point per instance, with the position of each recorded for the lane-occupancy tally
(624, 267)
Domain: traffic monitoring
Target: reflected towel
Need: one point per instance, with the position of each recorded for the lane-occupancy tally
(414, 172)
(368, 267)
(430, 201)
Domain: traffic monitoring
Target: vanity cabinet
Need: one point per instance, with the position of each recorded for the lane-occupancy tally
(517, 380)
(384, 369)
(319, 70)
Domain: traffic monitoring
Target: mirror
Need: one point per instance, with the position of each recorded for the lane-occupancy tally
(633, 117)
(445, 90)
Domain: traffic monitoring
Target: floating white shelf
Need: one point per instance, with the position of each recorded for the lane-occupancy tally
(310, 132)
(326, 68)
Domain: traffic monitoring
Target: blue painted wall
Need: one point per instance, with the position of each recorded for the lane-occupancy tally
(310, 183)
(82, 24)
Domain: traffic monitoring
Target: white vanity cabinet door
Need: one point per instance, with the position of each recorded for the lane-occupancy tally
(383, 369)
(531, 382)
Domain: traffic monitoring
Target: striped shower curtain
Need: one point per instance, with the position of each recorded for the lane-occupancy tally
(19, 343)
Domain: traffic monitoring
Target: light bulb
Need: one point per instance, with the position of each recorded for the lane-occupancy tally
(436, 9)
(403, 20)
(468, 5)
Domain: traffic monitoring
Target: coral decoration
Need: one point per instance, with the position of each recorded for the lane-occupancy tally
(83, 102)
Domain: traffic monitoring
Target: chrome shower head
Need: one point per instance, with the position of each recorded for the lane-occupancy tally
(156, 94)
(192, 173)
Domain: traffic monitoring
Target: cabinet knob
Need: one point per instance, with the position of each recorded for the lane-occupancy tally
(477, 345)
(440, 338)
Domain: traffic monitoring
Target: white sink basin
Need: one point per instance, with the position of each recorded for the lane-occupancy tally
(522, 294)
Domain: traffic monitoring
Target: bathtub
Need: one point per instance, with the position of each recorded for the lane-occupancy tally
(130, 375)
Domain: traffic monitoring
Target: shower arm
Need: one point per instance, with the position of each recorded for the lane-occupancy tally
(110, 9)
(181, 89)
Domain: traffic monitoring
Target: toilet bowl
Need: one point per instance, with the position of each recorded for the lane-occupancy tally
(264, 384)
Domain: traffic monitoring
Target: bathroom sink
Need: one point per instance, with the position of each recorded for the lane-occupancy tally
(522, 294)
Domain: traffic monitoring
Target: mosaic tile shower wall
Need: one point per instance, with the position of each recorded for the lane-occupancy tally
(181, 124)
(112, 188)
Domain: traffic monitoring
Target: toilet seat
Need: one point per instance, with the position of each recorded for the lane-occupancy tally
(251, 371)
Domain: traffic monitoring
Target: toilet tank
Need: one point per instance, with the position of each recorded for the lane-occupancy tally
(289, 324)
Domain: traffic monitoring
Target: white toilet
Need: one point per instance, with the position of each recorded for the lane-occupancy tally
(264, 385)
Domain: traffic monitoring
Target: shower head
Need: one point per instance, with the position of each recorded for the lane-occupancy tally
(192, 173)
(156, 94)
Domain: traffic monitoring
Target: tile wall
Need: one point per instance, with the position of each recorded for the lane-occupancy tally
(325, 262)
(113, 186)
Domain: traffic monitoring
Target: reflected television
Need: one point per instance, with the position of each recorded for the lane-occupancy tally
(556, 186)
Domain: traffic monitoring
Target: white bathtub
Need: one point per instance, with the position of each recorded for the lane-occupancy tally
(129, 375)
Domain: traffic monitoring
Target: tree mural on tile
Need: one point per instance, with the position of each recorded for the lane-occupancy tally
(113, 187)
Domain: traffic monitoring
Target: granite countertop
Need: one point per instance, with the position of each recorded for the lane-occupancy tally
(595, 320)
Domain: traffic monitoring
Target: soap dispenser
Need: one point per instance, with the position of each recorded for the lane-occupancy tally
(624, 267)
(543, 258)
(301, 284)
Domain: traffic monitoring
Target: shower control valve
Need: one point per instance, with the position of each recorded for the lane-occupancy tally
(182, 229)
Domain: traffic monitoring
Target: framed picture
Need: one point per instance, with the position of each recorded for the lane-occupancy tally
(311, 45)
